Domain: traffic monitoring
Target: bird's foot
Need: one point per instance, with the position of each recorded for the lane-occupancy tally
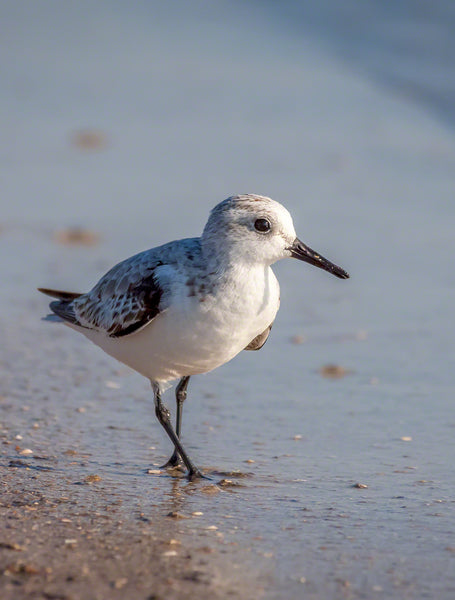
(175, 462)
(178, 466)
(171, 465)
(194, 474)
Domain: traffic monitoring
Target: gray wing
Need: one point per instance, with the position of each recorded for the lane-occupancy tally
(259, 340)
(126, 299)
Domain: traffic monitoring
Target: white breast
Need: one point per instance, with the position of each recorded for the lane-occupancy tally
(198, 333)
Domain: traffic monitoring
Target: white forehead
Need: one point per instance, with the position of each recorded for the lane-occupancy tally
(253, 206)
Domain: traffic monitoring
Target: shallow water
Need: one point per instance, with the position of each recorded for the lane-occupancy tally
(368, 175)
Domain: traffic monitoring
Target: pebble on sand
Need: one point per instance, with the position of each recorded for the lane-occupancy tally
(176, 515)
(76, 236)
(334, 371)
(26, 452)
(89, 140)
(92, 479)
(113, 385)
(210, 489)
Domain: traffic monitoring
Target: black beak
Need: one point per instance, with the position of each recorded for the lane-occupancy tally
(302, 252)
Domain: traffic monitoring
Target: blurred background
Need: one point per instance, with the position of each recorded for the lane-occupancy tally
(122, 124)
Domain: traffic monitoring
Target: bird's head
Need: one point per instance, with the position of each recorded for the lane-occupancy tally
(256, 229)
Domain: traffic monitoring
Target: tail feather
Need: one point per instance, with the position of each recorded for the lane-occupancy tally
(52, 318)
(59, 294)
(62, 308)
(65, 310)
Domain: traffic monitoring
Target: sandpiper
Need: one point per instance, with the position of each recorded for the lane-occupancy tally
(191, 305)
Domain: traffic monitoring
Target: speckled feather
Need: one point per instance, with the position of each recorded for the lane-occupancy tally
(132, 293)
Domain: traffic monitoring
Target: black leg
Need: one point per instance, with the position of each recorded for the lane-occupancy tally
(180, 397)
(164, 417)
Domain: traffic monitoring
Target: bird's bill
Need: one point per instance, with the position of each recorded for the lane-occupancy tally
(303, 252)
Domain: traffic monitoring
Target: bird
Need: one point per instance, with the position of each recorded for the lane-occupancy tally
(191, 305)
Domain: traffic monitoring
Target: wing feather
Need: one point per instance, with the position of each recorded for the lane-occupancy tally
(257, 342)
(124, 301)
(131, 294)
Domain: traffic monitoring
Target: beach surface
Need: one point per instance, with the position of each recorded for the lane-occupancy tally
(330, 451)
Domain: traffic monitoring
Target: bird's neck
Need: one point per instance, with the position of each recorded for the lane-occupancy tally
(220, 255)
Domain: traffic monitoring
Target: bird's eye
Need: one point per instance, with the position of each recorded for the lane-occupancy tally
(262, 225)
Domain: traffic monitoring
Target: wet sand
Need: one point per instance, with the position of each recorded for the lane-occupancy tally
(55, 546)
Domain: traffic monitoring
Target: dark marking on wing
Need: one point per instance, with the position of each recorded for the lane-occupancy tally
(130, 294)
(259, 340)
(147, 295)
(120, 304)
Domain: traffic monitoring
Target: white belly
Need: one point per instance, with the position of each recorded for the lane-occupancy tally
(195, 335)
